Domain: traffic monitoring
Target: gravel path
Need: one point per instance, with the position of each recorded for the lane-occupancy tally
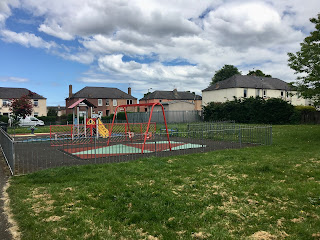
(4, 225)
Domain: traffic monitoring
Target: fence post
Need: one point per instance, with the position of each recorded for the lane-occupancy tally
(13, 157)
(240, 137)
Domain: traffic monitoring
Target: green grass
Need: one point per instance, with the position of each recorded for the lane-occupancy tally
(271, 191)
(19, 130)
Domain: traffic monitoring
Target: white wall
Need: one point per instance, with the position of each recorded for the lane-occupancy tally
(223, 95)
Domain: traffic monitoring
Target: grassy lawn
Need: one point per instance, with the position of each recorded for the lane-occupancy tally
(268, 192)
(39, 129)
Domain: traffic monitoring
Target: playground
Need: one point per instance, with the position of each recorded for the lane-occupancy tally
(94, 142)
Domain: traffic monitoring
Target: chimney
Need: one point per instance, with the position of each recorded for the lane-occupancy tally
(175, 92)
(70, 91)
(129, 90)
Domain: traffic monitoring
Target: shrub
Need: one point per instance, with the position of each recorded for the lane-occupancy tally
(252, 110)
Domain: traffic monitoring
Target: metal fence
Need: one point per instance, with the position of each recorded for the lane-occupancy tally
(26, 155)
(7, 148)
(171, 116)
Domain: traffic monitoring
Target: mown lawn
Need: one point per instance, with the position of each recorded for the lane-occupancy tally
(268, 192)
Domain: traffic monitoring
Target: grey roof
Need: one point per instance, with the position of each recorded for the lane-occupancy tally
(245, 81)
(176, 101)
(9, 93)
(102, 92)
(171, 95)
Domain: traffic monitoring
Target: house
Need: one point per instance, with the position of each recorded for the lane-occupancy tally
(7, 94)
(106, 99)
(167, 96)
(176, 105)
(243, 86)
(59, 110)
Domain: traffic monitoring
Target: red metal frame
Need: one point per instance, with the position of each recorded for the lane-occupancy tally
(147, 131)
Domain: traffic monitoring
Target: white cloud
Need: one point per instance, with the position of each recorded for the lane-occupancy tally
(55, 30)
(206, 34)
(26, 39)
(13, 79)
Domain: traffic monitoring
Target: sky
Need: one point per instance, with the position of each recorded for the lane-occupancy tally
(147, 45)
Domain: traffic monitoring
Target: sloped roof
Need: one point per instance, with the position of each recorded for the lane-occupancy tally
(245, 81)
(8, 93)
(176, 101)
(81, 100)
(101, 92)
(172, 95)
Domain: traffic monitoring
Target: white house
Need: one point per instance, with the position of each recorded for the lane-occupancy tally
(243, 86)
(7, 94)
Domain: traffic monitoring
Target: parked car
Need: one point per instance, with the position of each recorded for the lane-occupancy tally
(30, 121)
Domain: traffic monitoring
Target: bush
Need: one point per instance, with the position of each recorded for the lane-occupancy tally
(4, 118)
(48, 119)
(252, 110)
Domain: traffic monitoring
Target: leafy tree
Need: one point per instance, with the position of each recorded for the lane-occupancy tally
(52, 112)
(225, 72)
(20, 108)
(259, 73)
(307, 63)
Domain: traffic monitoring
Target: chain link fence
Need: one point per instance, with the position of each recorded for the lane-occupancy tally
(26, 155)
(7, 148)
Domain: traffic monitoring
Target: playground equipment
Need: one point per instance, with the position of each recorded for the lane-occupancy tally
(93, 128)
(146, 135)
(103, 132)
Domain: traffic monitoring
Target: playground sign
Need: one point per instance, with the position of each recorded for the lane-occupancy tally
(91, 121)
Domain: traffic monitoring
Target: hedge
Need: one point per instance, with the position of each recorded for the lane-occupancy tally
(252, 110)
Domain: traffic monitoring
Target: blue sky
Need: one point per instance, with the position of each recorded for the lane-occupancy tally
(45, 45)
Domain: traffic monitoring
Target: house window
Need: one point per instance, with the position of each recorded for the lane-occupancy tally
(107, 103)
(36, 114)
(258, 92)
(281, 93)
(35, 103)
(129, 101)
(146, 109)
(115, 102)
(264, 93)
(160, 100)
(107, 112)
(287, 94)
(245, 93)
(99, 102)
(5, 103)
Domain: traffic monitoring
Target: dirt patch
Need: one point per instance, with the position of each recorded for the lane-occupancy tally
(200, 235)
(262, 235)
(14, 229)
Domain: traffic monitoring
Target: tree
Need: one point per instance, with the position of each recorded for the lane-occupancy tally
(259, 73)
(225, 72)
(20, 108)
(52, 112)
(306, 62)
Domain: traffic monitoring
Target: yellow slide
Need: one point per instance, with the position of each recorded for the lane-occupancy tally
(102, 129)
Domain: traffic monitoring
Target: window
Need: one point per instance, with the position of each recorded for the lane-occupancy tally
(281, 93)
(146, 109)
(287, 94)
(35, 115)
(129, 101)
(258, 92)
(107, 112)
(264, 93)
(115, 102)
(245, 93)
(160, 100)
(36, 103)
(99, 102)
(5, 103)
(107, 103)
